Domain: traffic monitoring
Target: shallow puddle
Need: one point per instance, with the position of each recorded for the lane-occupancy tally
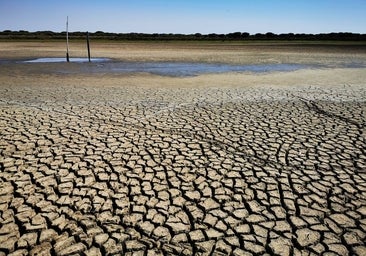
(179, 69)
(192, 69)
(174, 69)
(56, 60)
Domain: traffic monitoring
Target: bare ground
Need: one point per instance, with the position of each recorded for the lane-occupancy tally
(136, 164)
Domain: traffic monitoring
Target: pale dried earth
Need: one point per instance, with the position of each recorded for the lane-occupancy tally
(220, 164)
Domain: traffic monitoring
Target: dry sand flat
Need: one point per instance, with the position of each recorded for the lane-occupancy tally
(137, 164)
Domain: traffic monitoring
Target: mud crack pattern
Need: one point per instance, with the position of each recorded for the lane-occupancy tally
(136, 171)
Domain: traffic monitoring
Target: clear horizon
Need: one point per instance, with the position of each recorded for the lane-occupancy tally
(186, 17)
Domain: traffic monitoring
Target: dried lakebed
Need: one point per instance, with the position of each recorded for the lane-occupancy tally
(182, 171)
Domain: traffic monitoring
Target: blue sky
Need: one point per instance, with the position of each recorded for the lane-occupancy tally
(186, 16)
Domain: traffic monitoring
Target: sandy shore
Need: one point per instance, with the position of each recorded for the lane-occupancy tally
(219, 164)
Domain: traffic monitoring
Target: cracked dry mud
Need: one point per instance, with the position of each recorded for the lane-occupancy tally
(169, 171)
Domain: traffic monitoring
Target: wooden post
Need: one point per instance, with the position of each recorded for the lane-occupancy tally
(67, 39)
(88, 44)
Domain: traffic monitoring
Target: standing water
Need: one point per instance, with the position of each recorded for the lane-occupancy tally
(175, 69)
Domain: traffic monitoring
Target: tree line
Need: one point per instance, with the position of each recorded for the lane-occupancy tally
(50, 35)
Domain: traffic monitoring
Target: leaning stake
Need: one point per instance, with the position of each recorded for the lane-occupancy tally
(88, 44)
(67, 39)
